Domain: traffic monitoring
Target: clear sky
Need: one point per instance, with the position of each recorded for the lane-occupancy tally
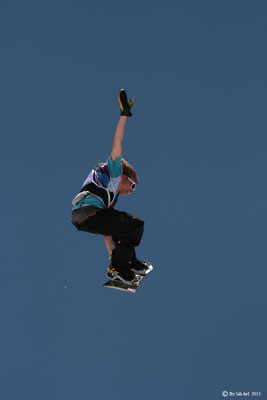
(197, 325)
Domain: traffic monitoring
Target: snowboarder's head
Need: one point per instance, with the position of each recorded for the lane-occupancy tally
(129, 179)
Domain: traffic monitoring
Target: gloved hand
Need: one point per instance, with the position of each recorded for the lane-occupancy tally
(125, 105)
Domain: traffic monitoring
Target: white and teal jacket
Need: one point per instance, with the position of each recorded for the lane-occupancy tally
(101, 187)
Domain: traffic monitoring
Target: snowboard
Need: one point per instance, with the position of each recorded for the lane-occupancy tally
(118, 285)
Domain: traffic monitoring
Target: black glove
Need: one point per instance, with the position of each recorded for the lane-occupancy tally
(125, 105)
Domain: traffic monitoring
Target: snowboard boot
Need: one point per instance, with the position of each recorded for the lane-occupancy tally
(140, 267)
(125, 105)
(125, 275)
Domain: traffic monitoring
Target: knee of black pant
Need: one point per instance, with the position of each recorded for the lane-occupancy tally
(142, 223)
(132, 237)
(138, 232)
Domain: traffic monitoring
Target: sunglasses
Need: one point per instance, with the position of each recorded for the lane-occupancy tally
(133, 185)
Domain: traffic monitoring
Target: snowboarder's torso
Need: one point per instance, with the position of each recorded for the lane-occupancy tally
(101, 187)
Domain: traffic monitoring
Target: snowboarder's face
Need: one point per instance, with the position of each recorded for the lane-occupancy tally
(128, 185)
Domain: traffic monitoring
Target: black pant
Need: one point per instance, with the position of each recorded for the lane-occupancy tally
(125, 229)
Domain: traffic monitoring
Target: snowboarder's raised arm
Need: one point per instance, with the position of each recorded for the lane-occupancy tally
(125, 107)
(118, 136)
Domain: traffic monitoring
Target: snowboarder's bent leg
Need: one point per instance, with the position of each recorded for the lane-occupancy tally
(125, 229)
(126, 240)
(129, 231)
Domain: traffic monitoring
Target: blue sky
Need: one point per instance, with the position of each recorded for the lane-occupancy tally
(197, 325)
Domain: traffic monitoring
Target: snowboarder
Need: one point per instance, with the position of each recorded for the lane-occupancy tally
(93, 208)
